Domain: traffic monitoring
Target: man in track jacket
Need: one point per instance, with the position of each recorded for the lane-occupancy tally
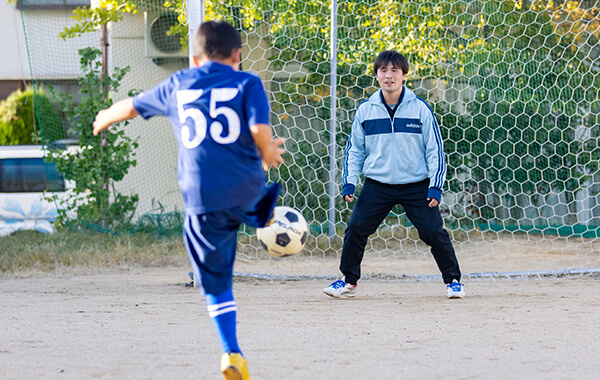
(397, 143)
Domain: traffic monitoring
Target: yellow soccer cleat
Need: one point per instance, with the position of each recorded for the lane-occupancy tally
(234, 367)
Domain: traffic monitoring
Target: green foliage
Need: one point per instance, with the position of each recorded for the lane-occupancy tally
(100, 161)
(89, 19)
(524, 133)
(161, 224)
(21, 115)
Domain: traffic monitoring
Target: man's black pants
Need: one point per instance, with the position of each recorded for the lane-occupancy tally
(374, 203)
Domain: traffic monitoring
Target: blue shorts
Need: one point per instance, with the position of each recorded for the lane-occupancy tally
(211, 239)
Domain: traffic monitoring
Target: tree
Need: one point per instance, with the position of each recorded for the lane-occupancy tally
(99, 161)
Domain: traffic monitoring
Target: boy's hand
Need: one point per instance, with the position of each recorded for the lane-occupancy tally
(272, 158)
(121, 110)
(433, 202)
(101, 122)
(348, 197)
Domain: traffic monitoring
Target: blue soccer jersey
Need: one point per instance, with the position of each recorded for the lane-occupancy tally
(211, 109)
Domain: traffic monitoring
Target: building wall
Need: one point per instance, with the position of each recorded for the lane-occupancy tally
(13, 65)
(30, 44)
(155, 176)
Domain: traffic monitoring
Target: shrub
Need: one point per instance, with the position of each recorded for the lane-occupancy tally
(24, 113)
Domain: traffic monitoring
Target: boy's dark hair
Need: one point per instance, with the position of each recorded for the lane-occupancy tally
(385, 57)
(216, 39)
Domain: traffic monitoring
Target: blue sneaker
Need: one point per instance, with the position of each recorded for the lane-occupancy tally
(455, 290)
(339, 289)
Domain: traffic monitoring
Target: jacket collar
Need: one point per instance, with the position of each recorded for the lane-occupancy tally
(408, 96)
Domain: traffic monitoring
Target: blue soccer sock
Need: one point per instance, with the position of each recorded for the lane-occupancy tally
(222, 310)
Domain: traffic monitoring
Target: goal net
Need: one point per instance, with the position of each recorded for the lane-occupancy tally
(514, 86)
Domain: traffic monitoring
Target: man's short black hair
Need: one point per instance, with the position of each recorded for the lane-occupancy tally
(216, 39)
(385, 57)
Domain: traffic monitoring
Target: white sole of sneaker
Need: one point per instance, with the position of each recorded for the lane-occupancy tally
(345, 295)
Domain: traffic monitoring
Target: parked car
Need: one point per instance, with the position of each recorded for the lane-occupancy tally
(24, 177)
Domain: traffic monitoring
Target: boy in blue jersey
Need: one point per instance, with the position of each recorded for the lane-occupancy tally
(397, 143)
(220, 117)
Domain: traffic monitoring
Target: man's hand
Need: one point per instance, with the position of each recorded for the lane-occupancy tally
(433, 202)
(348, 198)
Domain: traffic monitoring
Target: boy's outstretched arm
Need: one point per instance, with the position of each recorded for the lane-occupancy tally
(121, 110)
(270, 149)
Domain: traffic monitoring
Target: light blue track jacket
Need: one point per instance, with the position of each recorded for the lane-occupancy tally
(404, 150)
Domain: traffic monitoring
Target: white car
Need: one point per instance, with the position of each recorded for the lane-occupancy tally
(24, 176)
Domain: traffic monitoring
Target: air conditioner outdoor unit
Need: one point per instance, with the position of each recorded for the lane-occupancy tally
(162, 48)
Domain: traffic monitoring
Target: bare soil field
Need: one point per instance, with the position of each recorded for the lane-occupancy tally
(143, 323)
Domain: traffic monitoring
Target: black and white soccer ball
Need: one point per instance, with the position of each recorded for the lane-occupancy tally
(286, 235)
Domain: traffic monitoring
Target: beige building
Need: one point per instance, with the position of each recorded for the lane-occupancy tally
(30, 29)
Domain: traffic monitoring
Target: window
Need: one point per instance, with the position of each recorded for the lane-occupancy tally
(51, 4)
(29, 175)
(7, 87)
(64, 87)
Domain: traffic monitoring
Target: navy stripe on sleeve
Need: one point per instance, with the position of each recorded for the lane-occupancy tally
(439, 176)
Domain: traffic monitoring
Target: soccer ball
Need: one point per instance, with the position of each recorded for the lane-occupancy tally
(286, 235)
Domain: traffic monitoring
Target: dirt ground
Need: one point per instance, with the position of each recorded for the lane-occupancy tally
(145, 324)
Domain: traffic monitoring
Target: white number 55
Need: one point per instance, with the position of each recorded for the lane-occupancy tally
(200, 121)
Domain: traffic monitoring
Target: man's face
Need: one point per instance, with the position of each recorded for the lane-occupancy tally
(390, 78)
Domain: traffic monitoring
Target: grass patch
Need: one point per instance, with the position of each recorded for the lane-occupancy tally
(31, 251)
